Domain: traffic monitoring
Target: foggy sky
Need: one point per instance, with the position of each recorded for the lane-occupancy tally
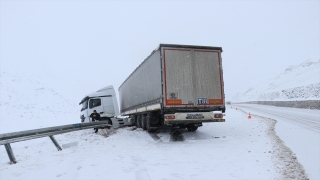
(83, 46)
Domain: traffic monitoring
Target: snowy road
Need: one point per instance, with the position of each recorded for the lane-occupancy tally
(303, 117)
(298, 128)
(239, 148)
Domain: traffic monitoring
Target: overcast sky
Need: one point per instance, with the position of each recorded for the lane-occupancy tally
(86, 45)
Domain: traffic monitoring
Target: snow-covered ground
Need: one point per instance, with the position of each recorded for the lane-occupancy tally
(297, 82)
(266, 147)
(298, 128)
(239, 148)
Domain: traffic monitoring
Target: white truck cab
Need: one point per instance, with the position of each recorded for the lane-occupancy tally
(104, 101)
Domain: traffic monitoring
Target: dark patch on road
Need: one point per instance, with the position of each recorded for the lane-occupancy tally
(176, 135)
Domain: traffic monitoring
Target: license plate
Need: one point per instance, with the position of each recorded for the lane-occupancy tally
(194, 116)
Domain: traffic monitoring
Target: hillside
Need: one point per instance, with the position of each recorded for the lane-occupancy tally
(298, 82)
(28, 101)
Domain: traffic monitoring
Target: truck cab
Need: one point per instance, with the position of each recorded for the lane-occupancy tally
(104, 101)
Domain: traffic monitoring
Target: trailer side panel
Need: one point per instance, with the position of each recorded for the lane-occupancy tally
(143, 86)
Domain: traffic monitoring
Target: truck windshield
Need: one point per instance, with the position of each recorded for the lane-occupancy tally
(84, 105)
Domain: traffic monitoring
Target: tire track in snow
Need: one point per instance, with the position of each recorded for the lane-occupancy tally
(142, 173)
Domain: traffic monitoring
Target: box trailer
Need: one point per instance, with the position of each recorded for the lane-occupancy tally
(176, 85)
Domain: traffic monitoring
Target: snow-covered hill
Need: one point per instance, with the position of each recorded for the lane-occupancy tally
(28, 101)
(299, 82)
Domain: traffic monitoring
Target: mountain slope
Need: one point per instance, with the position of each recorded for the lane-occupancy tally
(300, 82)
(28, 101)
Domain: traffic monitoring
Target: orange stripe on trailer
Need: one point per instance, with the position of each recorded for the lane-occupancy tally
(215, 101)
(174, 101)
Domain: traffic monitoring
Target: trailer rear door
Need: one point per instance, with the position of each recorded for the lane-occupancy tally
(192, 77)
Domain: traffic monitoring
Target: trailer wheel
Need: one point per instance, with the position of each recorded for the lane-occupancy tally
(192, 128)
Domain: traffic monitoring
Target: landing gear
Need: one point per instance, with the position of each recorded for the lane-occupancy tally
(134, 120)
(148, 123)
(143, 122)
(138, 121)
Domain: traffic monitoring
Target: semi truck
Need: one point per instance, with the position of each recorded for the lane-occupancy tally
(176, 85)
(104, 101)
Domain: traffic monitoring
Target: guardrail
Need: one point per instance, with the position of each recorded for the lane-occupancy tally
(7, 138)
(307, 104)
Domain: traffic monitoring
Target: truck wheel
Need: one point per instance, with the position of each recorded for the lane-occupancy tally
(192, 128)
(143, 122)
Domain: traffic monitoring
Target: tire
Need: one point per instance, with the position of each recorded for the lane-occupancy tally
(143, 122)
(192, 128)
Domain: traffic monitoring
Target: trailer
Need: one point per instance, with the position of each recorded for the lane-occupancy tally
(176, 85)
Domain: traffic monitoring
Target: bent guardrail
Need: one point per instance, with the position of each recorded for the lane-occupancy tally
(7, 138)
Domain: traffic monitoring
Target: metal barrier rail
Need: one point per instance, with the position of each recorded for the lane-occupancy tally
(7, 138)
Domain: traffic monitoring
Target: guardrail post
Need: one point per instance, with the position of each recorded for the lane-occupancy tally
(55, 143)
(10, 153)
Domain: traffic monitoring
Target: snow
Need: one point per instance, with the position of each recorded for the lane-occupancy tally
(239, 148)
(299, 129)
(28, 101)
(266, 146)
(298, 82)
